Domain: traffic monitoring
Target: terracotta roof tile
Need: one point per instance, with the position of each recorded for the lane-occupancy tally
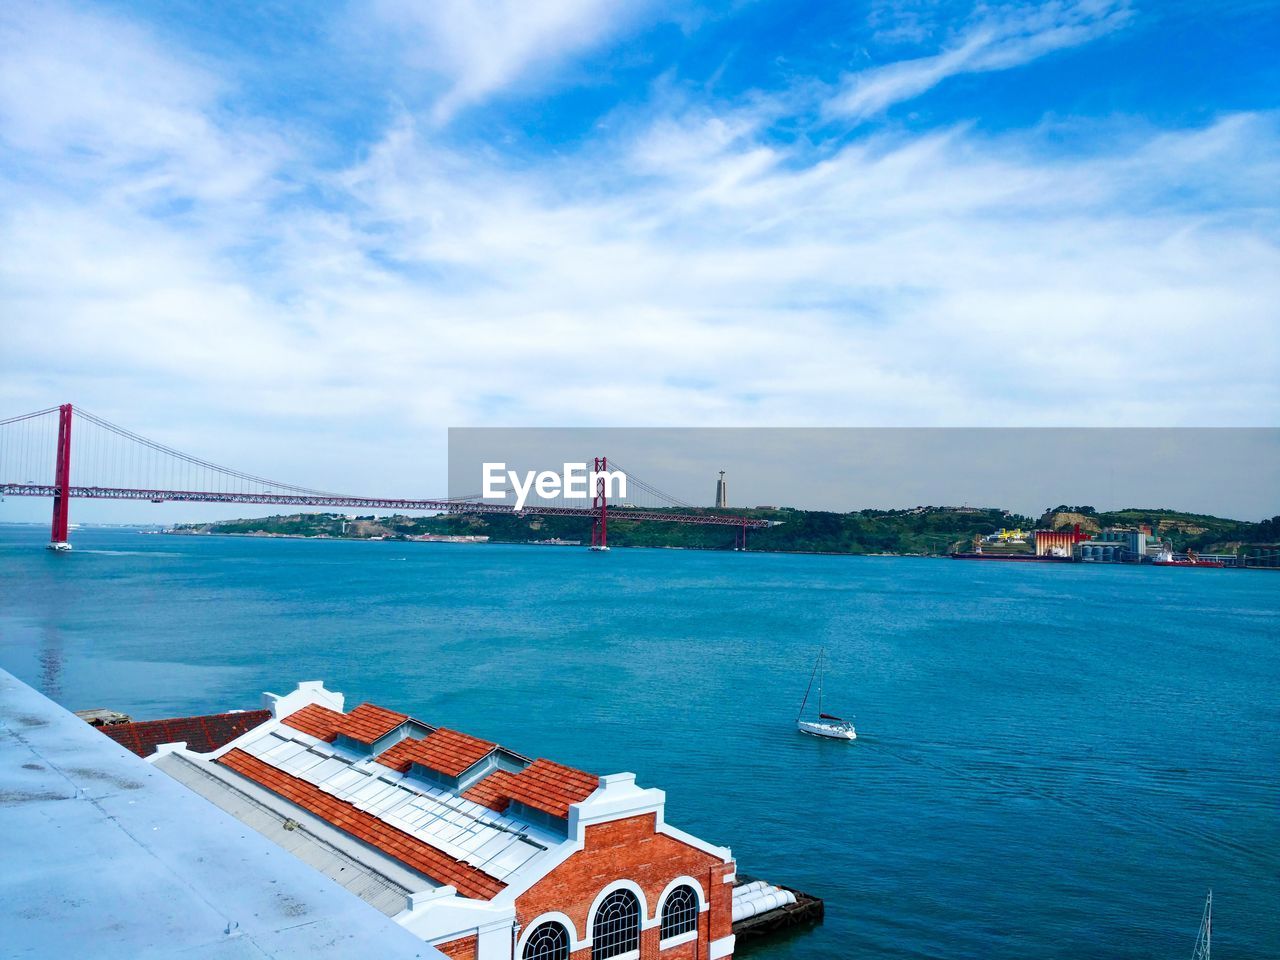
(447, 751)
(316, 720)
(409, 850)
(201, 734)
(543, 785)
(491, 791)
(399, 756)
(366, 723)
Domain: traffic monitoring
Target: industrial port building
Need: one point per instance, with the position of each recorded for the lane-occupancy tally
(477, 850)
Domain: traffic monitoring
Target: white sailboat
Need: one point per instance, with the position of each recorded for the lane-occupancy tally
(1204, 938)
(826, 725)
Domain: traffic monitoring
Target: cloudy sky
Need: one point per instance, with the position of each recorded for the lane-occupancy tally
(305, 239)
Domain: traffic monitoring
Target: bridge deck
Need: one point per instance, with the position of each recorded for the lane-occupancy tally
(376, 503)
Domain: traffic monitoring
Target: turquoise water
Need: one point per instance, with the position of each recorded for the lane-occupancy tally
(1053, 761)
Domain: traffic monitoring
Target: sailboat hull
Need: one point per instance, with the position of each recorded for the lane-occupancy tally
(832, 731)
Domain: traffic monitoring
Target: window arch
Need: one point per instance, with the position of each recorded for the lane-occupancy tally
(616, 929)
(680, 912)
(548, 941)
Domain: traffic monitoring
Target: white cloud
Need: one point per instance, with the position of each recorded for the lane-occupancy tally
(1000, 38)
(481, 47)
(96, 102)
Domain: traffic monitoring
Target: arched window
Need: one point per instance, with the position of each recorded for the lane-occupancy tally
(617, 926)
(549, 941)
(680, 912)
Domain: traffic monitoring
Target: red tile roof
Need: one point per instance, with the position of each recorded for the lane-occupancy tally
(316, 720)
(409, 850)
(201, 734)
(543, 785)
(491, 791)
(399, 756)
(447, 751)
(366, 723)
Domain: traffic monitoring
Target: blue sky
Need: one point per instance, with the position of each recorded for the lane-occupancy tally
(306, 238)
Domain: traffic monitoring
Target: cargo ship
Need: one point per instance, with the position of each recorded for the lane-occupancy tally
(1166, 558)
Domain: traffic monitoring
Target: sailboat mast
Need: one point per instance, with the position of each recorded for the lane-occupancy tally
(822, 676)
(1204, 942)
(1208, 924)
(808, 688)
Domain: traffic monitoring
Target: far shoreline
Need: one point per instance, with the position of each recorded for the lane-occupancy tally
(525, 543)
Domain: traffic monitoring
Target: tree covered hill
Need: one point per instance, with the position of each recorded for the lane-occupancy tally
(917, 530)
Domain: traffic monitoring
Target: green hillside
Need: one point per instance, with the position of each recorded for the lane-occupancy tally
(919, 530)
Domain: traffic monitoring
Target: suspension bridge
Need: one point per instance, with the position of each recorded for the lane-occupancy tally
(114, 463)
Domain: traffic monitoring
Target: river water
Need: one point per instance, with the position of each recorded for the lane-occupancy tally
(1053, 760)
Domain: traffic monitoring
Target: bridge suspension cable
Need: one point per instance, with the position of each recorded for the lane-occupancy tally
(200, 464)
(659, 495)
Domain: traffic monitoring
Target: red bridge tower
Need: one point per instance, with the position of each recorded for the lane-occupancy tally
(600, 504)
(62, 482)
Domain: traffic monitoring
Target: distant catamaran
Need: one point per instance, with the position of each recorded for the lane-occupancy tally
(1204, 938)
(826, 725)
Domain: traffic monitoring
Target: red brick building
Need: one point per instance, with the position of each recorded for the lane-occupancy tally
(482, 852)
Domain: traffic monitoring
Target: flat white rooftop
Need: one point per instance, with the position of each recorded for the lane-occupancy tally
(106, 856)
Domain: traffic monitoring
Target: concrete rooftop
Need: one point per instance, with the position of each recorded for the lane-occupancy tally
(106, 856)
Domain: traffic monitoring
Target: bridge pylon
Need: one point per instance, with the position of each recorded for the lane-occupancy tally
(62, 482)
(600, 506)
